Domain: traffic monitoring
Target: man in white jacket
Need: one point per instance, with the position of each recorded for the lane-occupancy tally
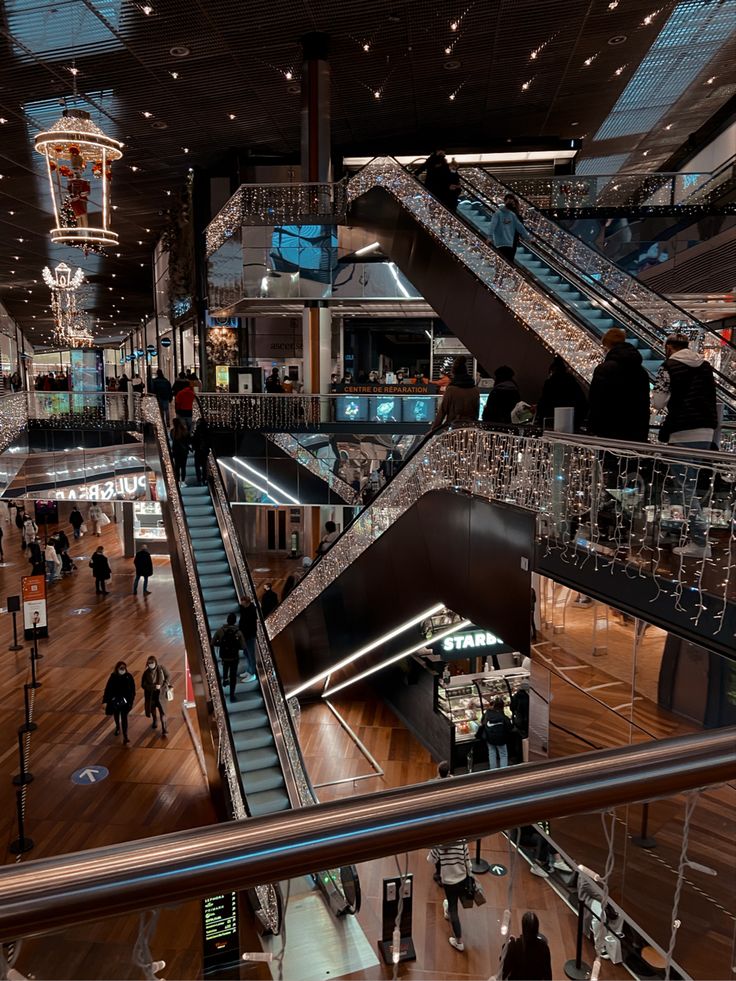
(686, 388)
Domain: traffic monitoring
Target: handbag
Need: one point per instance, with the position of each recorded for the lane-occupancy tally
(472, 894)
(104, 520)
(169, 694)
(83, 529)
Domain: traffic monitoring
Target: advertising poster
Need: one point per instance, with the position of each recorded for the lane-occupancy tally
(33, 594)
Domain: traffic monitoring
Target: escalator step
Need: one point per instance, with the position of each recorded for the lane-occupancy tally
(248, 718)
(268, 802)
(249, 739)
(201, 520)
(258, 759)
(204, 534)
(219, 594)
(259, 781)
(188, 492)
(212, 565)
(198, 510)
(217, 612)
(217, 581)
(250, 700)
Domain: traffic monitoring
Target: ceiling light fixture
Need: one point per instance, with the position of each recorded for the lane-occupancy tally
(288, 76)
(619, 71)
(613, 4)
(185, 149)
(711, 80)
(147, 115)
(668, 126)
(526, 85)
(377, 94)
(589, 61)
(366, 47)
(454, 25)
(231, 115)
(147, 9)
(174, 75)
(3, 120)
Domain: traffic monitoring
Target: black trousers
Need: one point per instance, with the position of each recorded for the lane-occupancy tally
(508, 252)
(180, 467)
(100, 585)
(453, 891)
(230, 674)
(121, 720)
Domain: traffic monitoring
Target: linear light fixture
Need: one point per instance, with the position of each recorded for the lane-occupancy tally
(262, 476)
(368, 248)
(368, 648)
(247, 480)
(394, 658)
(478, 159)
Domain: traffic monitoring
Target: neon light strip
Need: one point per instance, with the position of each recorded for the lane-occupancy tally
(262, 476)
(252, 483)
(396, 657)
(368, 648)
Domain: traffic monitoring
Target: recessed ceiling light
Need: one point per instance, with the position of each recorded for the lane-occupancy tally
(366, 47)
(134, 168)
(668, 126)
(174, 75)
(185, 149)
(147, 115)
(3, 120)
(11, 212)
(711, 80)
(617, 39)
(288, 76)
(17, 258)
(644, 154)
(454, 26)
(376, 94)
(21, 240)
(231, 115)
(179, 51)
(147, 9)
(452, 97)
(159, 124)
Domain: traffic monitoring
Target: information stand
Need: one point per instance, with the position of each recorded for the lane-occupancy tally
(221, 942)
(33, 593)
(390, 907)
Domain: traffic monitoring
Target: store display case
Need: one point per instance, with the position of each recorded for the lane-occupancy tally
(143, 524)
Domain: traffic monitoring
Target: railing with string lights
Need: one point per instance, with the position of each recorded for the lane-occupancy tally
(277, 204)
(650, 190)
(83, 410)
(595, 271)
(662, 515)
(315, 465)
(13, 418)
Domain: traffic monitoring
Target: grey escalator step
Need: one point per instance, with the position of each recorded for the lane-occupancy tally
(218, 594)
(258, 759)
(268, 802)
(219, 580)
(248, 718)
(188, 492)
(248, 701)
(203, 534)
(249, 739)
(199, 510)
(213, 565)
(652, 366)
(259, 781)
(218, 612)
(201, 521)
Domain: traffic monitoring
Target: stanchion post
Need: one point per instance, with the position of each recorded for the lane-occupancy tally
(25, 776)
(28, 725)
(22, 843)
(34, 649)
(578, 970)
(15, 646)
(35, 683)
(479, 865)
(643, 840)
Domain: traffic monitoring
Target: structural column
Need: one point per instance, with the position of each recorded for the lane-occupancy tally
(316, 163)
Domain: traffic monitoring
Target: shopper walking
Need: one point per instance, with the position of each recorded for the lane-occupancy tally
(248, 626)
(269, 600)
(461, 400)
(161, 388)
(156, 685)
(527, 957)
(329, 538)
(119, 697)
(136, 383)
(230, 642)
(273, 383)
(561, 390)
(30, 530)
(502, 398)
(94, 516)
(453, 860)
(201, 448)
(507, 228)
(183, 402)
(619, 392)
(143, 564)
(36, 558)
(180, 449)
(100, 570)
(53, 562)
(494, 730)
(76, 521)
(686, 388)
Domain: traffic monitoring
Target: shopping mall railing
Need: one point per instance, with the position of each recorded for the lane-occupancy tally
(13, 418)
(661, 316)
(67, 890)
(596, 503)
(86, 410)
(277, 204)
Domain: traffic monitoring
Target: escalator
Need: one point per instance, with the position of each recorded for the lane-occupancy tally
(454, 528)
(562, 301)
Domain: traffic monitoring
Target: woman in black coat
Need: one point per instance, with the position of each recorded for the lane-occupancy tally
(100, 570)
(503, 397)
(201, 447)
(35, 557)
(527, 957)
(119, 697)
(561, 390)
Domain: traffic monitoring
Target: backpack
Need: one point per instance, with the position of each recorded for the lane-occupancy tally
(229, 645)
(494, 732)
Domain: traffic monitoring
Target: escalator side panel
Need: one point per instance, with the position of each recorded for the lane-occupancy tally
(470, 310)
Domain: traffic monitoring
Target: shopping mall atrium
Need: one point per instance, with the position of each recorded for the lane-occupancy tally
(368, 490)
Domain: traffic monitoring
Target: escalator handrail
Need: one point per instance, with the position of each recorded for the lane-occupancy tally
(152, 408)
(657, 297)
(729, 164)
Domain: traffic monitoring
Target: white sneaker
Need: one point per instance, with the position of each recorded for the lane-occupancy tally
(538, 870)
(693, 551)
(561, 866)
(445, 908)
(457, 944)
(583, 601)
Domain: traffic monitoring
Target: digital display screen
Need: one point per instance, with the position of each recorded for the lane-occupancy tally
(220, 929)
(418, 409)
(351, 408)
(384, 408)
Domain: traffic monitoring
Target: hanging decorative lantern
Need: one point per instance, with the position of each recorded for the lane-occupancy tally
(79, 160)
(71, 324)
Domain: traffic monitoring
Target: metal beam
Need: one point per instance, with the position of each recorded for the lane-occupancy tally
(50, 894)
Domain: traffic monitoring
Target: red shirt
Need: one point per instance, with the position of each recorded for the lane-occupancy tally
(185, 399)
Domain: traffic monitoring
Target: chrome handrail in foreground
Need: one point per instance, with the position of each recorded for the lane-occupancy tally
(50, 894)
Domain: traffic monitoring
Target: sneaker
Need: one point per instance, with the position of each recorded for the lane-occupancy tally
(538, 870)
(583, 601)
(146, 592)
(693, 551)
(561, 866)
(457, 944)
(445, 910)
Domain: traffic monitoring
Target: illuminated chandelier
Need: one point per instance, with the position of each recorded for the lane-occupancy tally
(76, 149)
(71, 324)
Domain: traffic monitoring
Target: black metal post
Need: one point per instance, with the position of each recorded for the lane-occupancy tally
(35, 683)
(25, 776)
(34, 650)
(15, 646)
(21, 843)
(643, 840)
(28, 725)
(578, 970)
(479, 865)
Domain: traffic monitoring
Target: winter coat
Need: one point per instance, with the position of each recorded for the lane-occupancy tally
(149, 679)
(161, 388)
(269, 602)
(561, 390)
(201, 443)
(35, 557)
(619, 396)
(502, 399)
(495, 728)
(248, 624)
(95, 512)
(100, 566)
(143, 563)
(30, 530)
(527, 961)
(75, 518)
(685, 386)
(184, 399)
(119, 693)
(461, 401)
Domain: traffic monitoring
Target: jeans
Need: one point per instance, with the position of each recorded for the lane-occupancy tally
(186, 418)
(250, 655)
(453, 891)
(78, 532)
(51, 571)
(498, 757)
(137, 580)
(685, 493)
(165, 410)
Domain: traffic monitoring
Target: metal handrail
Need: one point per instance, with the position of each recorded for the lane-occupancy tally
(50, 894)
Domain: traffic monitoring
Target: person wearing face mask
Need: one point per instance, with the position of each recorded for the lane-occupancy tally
(155, 682)
(119, 697)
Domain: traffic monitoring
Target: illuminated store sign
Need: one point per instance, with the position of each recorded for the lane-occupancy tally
(122, 488)
(470, 641)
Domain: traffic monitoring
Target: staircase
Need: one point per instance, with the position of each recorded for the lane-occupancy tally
(257, 758)
(560, 288)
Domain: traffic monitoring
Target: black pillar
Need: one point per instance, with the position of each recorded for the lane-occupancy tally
(316, 163)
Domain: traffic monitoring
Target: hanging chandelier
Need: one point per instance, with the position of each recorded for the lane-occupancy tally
(72, 326)
(75, 150)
